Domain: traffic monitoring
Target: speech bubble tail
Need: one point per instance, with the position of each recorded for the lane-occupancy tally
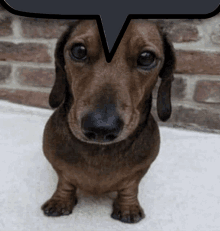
(112, 31)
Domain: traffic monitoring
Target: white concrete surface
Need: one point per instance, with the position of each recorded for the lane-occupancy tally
(181, 192)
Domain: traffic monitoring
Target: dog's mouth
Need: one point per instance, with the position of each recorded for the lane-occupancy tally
(107, 132)
(101, 138)
(103, 125)
(101, 141)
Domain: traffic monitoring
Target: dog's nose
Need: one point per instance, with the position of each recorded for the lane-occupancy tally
(101, 127)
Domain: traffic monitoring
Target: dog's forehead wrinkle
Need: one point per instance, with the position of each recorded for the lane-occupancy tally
(140, 35)
(151, 36)
(140, 32)
(87, 32)
(88, 36)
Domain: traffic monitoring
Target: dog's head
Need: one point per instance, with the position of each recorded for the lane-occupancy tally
(109, 100)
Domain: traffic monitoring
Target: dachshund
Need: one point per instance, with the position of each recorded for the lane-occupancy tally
(102, 136)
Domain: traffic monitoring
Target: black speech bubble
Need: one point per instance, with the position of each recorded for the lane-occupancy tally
(115, 15)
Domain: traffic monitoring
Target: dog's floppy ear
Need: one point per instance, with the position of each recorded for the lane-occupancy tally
(60, 88)
(58, 92)
(166, 74)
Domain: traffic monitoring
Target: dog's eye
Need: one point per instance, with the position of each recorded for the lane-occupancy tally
(78, 52)
(146, 60)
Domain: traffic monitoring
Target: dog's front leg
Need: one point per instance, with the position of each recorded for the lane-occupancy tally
(126, 207)
(62, 201)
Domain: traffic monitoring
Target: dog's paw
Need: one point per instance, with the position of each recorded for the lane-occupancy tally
(128, 214)
(58, 207)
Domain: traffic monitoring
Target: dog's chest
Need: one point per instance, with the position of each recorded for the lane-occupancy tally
(98, 180)
(98, 175)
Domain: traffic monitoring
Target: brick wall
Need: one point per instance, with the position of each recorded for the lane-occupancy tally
(196, 88)
(27, 66)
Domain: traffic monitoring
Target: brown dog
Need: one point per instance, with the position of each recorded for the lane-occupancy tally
(102, 137)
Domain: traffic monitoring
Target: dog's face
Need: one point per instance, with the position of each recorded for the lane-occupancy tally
(110, 98)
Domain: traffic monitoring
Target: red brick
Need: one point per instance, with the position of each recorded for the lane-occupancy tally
(38, 77)
(183, 32)
(30, 98)
(5, 26)
(198, 62)
(207, 92)
(43, 28)
(24, 52)
(5, 71)
(202, 119)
